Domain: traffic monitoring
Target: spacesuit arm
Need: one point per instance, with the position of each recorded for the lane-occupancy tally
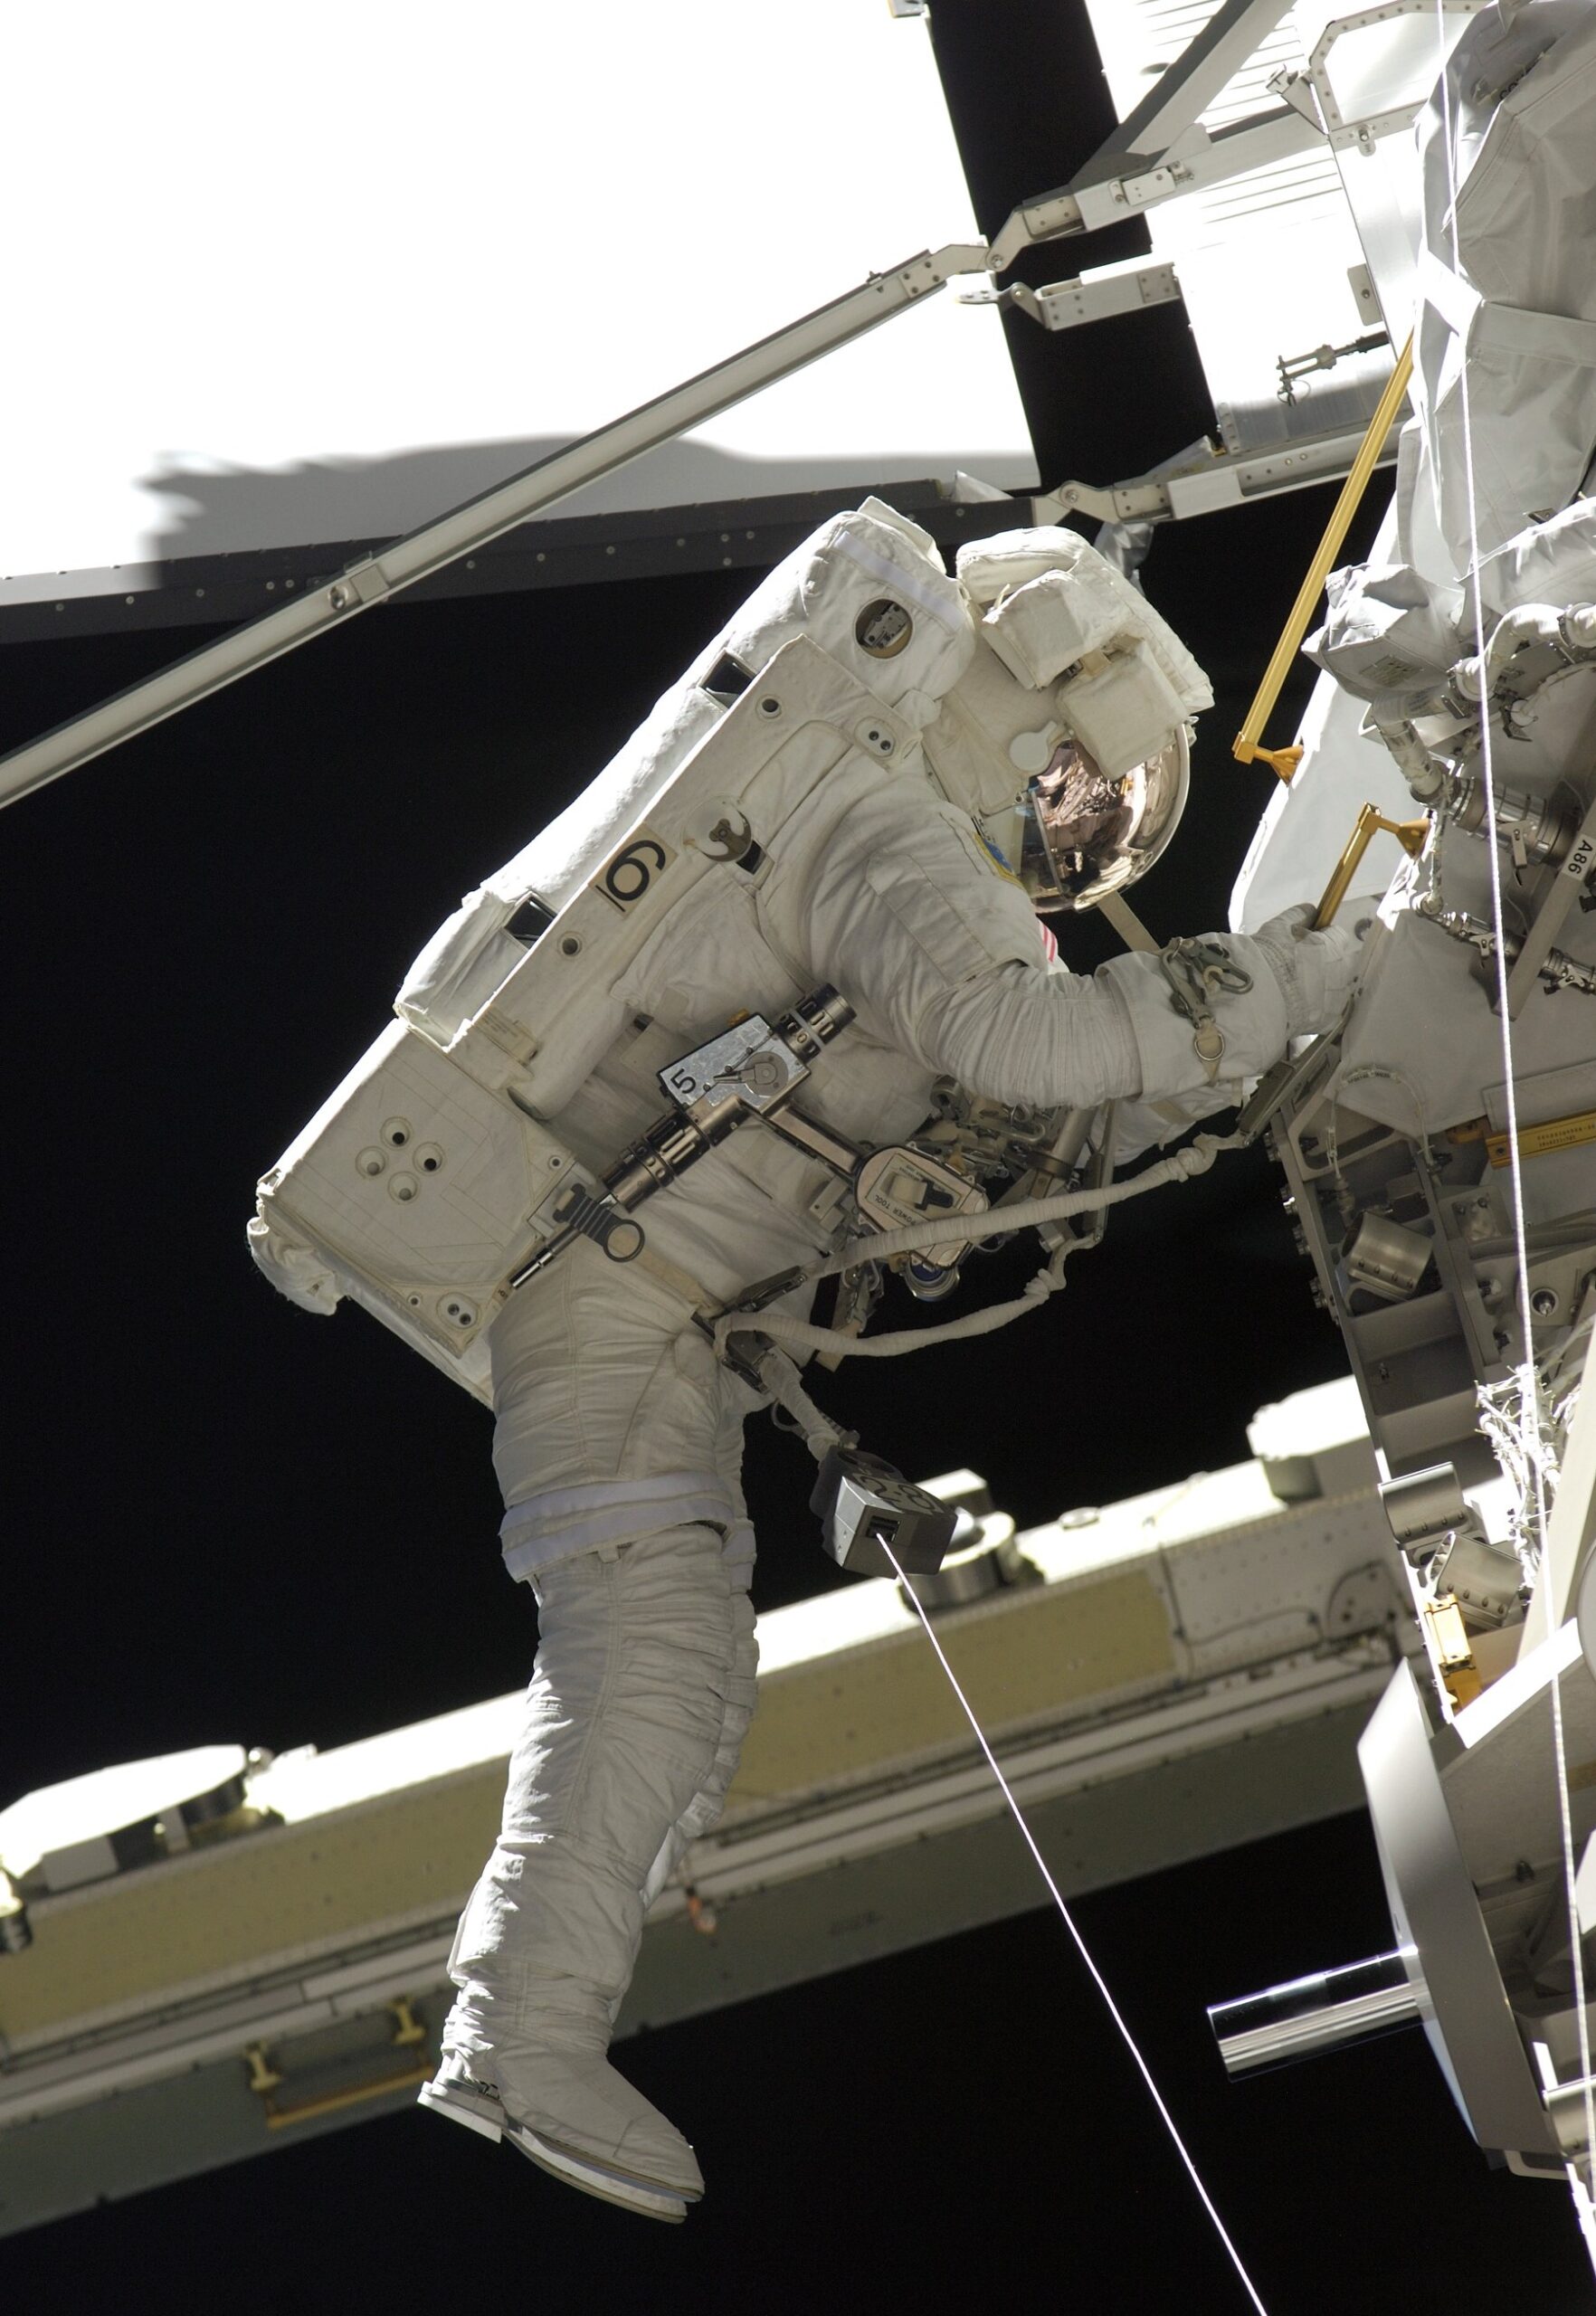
(942, 958)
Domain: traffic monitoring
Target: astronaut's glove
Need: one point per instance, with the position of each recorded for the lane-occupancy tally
(1317, 972)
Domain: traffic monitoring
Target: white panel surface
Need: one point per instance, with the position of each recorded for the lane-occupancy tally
(1263, 259)
(318, 273)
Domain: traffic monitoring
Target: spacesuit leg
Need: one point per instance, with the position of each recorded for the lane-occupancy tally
(624, 1725)
(643, 1686)
(703, 1812)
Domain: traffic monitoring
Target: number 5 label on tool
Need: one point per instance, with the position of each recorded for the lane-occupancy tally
(628, 875)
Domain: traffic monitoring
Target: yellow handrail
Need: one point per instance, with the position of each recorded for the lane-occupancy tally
(1247, 748)
(265, 2078)
(334, 2103)
(1409, 834)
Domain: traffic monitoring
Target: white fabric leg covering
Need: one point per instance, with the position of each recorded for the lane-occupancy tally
(643, 1686)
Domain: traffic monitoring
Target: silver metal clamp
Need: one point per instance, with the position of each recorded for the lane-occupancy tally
(1198, 971)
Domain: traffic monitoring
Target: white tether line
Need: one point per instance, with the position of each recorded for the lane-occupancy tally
(1530, 1389)
(1096, 1976)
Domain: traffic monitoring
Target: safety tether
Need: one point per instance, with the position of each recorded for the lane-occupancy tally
(1530, 1389)
(1028, 1214)
(1081, 1945)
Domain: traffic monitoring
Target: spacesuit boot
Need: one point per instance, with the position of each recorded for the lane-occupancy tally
(642, 1690)
(567, 2109)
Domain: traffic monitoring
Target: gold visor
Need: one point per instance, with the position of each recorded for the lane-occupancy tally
(1081, 834)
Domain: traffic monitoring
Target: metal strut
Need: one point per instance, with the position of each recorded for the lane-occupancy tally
(375, 577)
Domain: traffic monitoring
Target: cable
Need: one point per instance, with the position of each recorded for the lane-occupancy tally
(1096, 1976)
(779, 1377)
(1028, 1214)
(1531, 1393)
(781, 1328)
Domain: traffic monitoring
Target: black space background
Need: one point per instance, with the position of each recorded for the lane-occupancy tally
(229, 1521)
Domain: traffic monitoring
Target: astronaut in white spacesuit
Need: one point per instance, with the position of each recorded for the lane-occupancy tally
(900, 877)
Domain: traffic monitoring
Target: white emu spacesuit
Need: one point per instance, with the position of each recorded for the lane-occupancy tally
(1017, 731)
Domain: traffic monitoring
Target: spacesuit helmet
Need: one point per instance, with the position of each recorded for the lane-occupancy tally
(1067, 737)
(1074, 834)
